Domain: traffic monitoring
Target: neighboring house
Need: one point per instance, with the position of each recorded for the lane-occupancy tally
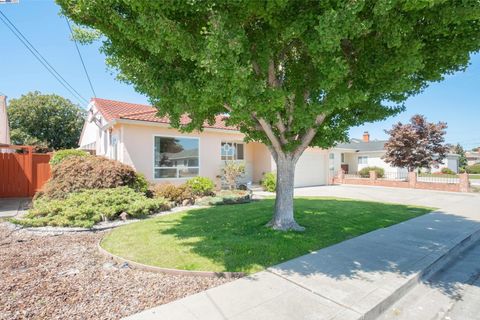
(472, 157)
(134, 135)
(358, 154)
(4, 128)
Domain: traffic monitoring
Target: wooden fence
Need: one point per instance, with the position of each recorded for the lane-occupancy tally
(22, 174)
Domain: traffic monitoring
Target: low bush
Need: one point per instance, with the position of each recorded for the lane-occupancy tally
(60, 155)
(447, 171)
(232, 171)
(475, 169)
(365, 172)
(173, 193)
(201, 186)
(86, 208)
(225, 197)
(83, 173)
(269, 181)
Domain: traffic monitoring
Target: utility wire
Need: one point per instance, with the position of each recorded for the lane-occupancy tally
(81, 59)
(41, 59)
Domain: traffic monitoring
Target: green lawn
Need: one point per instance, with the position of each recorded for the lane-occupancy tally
(234, 237)
(474, 176)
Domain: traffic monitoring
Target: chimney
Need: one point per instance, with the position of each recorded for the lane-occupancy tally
(4, 128)
(366, 136)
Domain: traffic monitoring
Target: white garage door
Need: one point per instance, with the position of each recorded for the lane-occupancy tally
(311, 169)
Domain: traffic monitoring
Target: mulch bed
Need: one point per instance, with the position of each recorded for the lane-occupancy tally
(64, 277)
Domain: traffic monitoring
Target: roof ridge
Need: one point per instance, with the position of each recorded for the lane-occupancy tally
(123, 102)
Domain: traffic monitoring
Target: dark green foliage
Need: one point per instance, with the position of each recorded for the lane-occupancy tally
(269, 181)
(365, 172)
(83, 173)
(201, 186)
(475, 169)
(462, 160)
(59, 156)
(86, 208)
(46, 120)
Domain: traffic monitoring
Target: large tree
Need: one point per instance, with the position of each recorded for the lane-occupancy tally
(290, 74)
(47, 120)
(462, 159)
(418, 144)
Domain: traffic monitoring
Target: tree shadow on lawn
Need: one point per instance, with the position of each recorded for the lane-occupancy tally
(236, 238)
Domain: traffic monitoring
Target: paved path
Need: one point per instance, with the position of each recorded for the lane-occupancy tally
(10, 207)
(346, 280)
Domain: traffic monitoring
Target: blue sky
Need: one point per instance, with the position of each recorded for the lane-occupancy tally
(456, 100)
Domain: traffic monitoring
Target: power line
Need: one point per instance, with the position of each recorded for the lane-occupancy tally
(41, 59)
(81, 59)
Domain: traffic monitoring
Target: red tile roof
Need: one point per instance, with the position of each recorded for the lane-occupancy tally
(111, 109)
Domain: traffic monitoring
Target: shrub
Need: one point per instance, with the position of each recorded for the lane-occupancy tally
(82, 173)
(172, 192)
(447, 171)
(201, 186)
(232, 171)
(140, 184)
(225, 197)
(86, 208)
(269, 181)
(59, 156)
(365, 172)
(475, 169)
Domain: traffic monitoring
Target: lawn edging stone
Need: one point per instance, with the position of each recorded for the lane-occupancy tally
(178, 272)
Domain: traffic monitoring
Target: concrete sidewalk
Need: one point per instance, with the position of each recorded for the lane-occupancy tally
(354, 279)
(10, 207)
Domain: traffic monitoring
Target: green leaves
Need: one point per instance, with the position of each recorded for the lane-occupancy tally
(284, 61)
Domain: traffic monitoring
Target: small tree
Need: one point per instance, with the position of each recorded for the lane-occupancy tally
(46, 120)
(418, 144)
(462, 160)
(232, 171)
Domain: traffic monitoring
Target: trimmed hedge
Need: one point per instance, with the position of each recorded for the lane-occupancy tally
(447, 171)
(201, 186)
(83, 173)
(269, 181)
(60, 155)
(173, 193)
(475, 169)
(365, 172)
(86, 208)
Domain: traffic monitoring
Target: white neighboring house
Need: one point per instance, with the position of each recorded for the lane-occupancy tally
(472, 157)
(4, 128)
(361, 153)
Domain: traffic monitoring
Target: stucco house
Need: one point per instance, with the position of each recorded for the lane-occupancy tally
(361, 153)
(134, 135)
(472, 157)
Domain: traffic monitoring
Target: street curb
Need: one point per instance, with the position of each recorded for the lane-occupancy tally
(426, 273)
(177, 272)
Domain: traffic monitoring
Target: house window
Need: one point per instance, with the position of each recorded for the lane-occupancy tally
(175, 157)
(232, 151)
(342, 156)
(362, 160)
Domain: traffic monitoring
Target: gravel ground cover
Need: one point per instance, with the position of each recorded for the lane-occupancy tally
(63, 276)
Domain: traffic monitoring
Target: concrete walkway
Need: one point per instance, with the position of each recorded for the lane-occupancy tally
(10, 207)
(354, 279)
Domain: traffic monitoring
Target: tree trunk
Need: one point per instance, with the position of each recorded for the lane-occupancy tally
(283, 218)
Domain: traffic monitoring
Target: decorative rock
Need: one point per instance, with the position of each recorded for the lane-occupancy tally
(186, 202)
(69, 272)
(124, 216)
(108, 266)
(125, 265)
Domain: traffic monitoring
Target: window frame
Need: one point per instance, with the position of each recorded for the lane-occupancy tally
(175, 137)
(234, 143)
(362, 157)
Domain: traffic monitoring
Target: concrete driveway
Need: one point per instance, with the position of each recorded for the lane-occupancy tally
(355, 279)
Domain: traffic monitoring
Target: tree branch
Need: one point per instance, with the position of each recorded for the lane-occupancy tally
(308, 136)
(269, 132)
(281, 128)
(272, 77)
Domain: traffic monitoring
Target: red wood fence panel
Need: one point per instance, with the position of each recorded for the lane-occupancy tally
(22, 174)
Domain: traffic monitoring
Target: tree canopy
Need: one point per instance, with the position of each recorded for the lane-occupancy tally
(45, 120)
(289, 73)
(418, 144)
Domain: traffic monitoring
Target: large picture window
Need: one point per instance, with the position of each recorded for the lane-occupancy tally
(363, 160)
(175, 157)
(232, 151)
